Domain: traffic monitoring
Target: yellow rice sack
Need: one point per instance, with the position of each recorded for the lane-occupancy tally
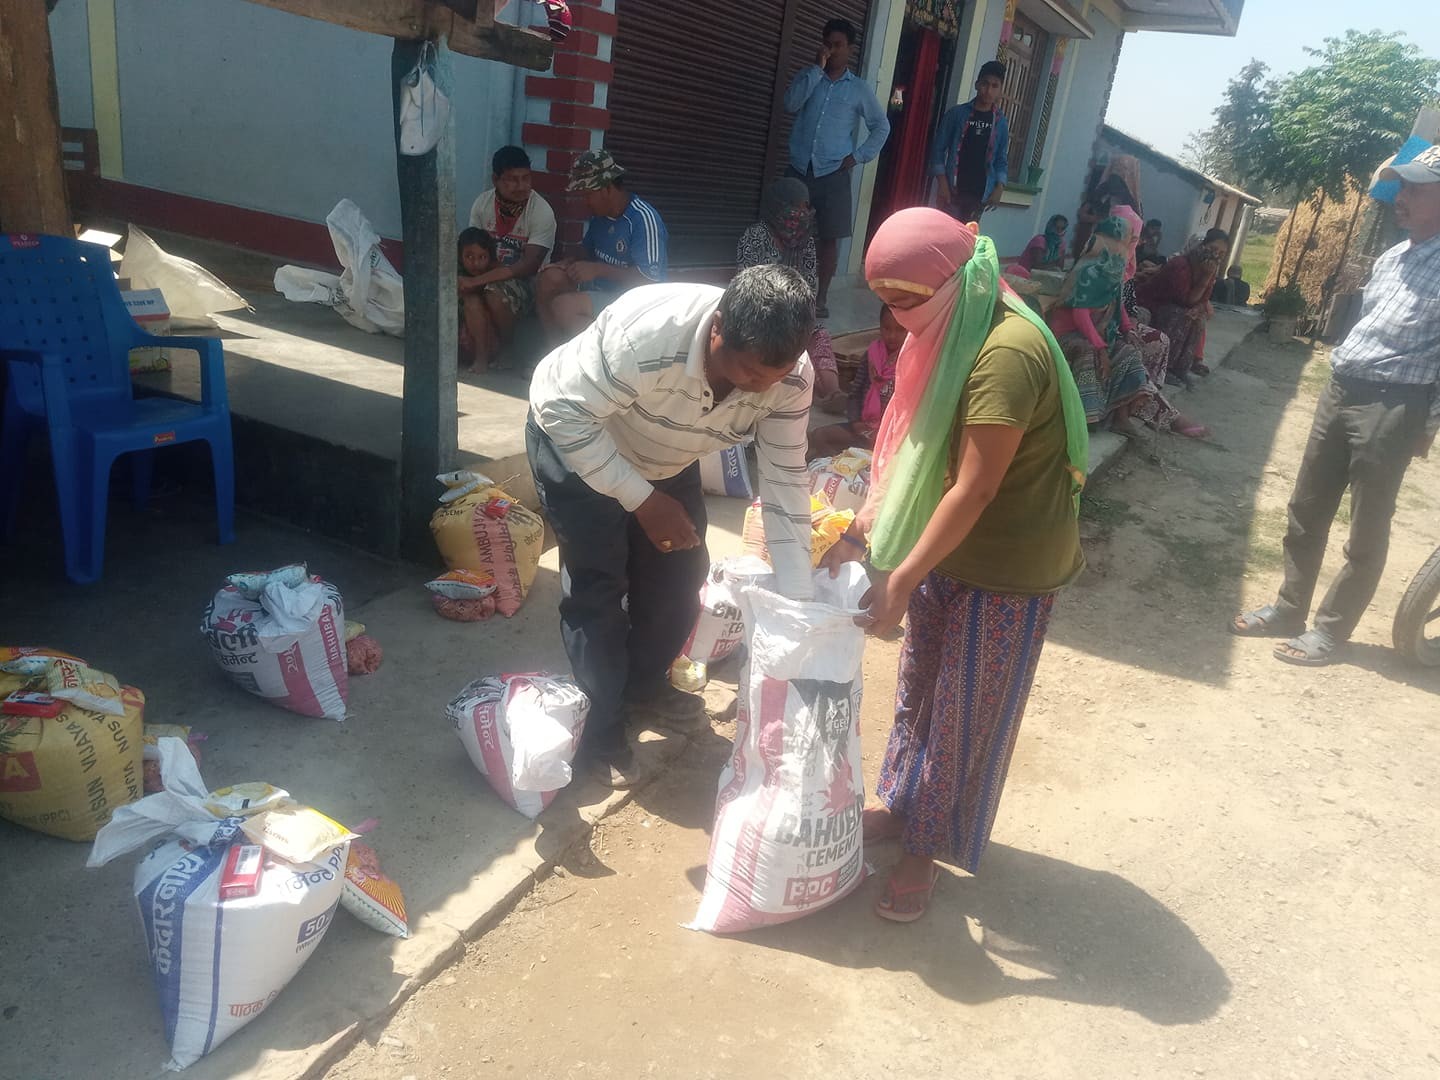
(479, 527)
(827, 525)
(64, 775)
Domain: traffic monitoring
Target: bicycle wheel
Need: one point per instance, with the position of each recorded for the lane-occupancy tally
(1418, 616)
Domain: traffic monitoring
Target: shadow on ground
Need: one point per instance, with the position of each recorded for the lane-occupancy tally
(1206, 532)
(1044, 927)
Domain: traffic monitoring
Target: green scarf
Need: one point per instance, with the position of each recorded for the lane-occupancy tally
(922, 463)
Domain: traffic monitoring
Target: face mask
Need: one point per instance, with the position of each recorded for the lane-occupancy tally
(794, 227)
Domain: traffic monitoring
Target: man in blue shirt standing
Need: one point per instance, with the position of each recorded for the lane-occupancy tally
(829, 99)
(626, 244)
(971, 152)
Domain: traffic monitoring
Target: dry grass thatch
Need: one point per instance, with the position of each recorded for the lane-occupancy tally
(1321, 238)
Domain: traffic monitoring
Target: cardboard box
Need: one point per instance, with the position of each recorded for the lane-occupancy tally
(147, 307)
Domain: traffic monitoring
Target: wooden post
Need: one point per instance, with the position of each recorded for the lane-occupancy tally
(429, 417)
(32, 179)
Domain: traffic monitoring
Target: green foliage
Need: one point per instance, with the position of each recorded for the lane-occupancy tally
(1336, 120)
(1323, 128)
(1284, 300)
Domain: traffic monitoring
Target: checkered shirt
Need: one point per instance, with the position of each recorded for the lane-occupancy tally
(1397, 339)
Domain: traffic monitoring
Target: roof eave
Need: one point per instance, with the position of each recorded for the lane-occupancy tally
(1144, 149)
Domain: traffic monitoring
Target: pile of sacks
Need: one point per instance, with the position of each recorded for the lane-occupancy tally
(237, 890)
(827, 525)
(842, 481)
(491, 545)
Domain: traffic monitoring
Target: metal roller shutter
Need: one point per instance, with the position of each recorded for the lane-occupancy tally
(810, 17)
(690, 116)
(696, 112)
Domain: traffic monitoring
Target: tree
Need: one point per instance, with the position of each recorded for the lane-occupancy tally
(1204, 153)
(1336, 120)
(1339, 118)
(1316, 134)
(1242, 139)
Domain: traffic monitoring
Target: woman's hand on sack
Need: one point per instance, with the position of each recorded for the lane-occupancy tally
(849, 548)
(885, 604)
(666, 523)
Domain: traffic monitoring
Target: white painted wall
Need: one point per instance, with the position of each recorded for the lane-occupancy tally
(70, 43)
(243, 105)
(1074, 124)
(1178, 201)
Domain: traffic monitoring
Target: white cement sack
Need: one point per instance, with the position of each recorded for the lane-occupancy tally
(727, 472)
(787, 835)
(720, 629)
(217, 963)
(281, 636)
(521, 732)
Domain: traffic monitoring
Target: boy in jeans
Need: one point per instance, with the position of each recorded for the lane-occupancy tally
(969, 155)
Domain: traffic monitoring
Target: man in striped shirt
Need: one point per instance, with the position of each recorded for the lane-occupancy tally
(625, 243)
(619, 419)
(1381, 409)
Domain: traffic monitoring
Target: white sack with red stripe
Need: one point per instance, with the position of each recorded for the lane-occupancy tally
(719, 629)
(787, 838)
(280, 635)
(521, 732)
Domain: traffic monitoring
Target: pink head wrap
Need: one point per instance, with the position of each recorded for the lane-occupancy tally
(920, 250)
(1137, 225)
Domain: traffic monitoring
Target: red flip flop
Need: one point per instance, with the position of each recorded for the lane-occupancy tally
(886, 906)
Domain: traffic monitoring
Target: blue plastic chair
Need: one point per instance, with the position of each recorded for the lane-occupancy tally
(66, 337)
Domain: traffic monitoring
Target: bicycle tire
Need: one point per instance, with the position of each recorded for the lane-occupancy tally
(1411, 617)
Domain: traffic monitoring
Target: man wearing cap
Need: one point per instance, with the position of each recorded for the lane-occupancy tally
(1381, 409)
(626, 243)
(620, 416)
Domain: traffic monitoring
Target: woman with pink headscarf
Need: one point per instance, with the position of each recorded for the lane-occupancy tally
(1152, 408)
(972, 520)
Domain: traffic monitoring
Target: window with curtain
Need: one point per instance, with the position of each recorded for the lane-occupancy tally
(1026, 79)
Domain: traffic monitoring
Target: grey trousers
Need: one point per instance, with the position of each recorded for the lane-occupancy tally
(1363, 437)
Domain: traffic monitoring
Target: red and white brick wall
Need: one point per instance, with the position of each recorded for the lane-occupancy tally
(565, 110)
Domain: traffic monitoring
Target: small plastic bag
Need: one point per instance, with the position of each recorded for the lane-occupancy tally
(371, 895)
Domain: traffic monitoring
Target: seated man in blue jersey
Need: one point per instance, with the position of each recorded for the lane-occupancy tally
(625, 244)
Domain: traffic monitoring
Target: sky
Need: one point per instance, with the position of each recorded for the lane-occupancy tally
(1168, 84)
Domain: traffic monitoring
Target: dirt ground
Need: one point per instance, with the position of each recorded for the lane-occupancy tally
(1206, 862)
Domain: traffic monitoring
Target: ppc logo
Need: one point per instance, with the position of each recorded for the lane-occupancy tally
(801, 892)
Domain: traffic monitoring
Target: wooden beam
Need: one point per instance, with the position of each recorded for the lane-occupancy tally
(429, 424)
(32, 179)
(410, 20)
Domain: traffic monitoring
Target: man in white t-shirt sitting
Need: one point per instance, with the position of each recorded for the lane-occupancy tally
(523, 225)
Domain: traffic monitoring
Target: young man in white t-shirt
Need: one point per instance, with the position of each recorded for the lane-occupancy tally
(523, 225)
